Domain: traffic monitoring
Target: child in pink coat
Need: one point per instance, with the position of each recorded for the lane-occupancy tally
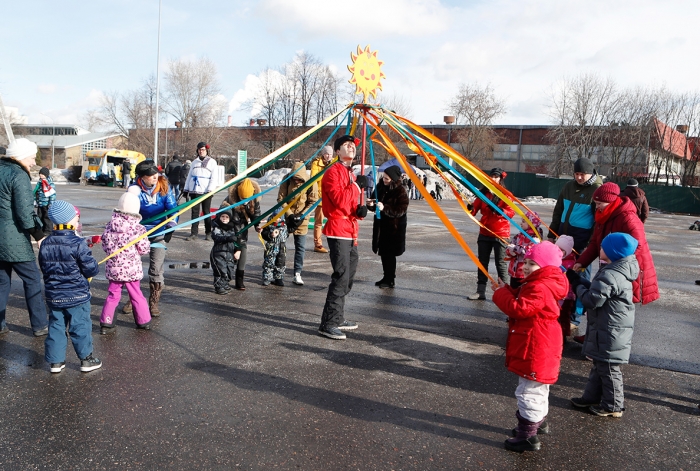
(125, 269)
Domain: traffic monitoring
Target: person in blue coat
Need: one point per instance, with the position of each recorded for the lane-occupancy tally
(156, 197)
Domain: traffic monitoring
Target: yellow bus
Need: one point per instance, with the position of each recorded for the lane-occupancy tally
(105, 165)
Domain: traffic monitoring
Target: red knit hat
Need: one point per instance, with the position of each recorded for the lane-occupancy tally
(607, 192)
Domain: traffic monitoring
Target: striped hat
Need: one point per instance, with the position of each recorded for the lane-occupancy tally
(62, 212)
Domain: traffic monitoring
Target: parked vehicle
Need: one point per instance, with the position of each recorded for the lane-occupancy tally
(105, 165)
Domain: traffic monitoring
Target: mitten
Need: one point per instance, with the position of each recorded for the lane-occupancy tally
(361, 211)
(361, 181)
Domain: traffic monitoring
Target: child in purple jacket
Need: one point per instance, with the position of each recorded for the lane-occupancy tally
(125, 269)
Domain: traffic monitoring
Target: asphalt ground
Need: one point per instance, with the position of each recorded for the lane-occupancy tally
(244, 381)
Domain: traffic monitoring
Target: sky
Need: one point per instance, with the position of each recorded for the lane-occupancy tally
(56, 58)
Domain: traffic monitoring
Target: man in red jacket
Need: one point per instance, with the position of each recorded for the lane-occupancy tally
(340, 192)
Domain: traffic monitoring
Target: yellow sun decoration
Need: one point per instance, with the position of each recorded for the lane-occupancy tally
(366, 72)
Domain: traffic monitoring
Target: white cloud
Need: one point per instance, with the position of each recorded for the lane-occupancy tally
(46, 88)
(358, 18)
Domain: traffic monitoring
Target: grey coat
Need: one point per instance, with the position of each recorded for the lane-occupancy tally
(17, 217)
(610, 311)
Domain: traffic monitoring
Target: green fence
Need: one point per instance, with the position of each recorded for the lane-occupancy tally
(673, 199)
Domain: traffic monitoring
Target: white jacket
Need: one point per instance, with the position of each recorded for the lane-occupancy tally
(202, 177)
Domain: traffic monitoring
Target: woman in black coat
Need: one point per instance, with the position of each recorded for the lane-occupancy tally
(389, 231)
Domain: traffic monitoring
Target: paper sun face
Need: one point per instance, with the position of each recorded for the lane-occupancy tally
(366, 72)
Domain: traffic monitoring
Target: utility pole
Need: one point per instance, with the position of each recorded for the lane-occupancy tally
(155, 139)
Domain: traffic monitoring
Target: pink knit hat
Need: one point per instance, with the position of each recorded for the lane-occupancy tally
(566, 243)
(545, 254)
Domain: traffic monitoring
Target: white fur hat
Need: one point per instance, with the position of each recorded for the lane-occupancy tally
(21, 148)
(129, 203)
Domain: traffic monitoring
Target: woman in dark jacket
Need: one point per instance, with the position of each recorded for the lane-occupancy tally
(389, 231)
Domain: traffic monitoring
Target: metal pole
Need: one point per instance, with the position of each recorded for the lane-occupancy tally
(53, 138)
(6, 122)
(155, 139)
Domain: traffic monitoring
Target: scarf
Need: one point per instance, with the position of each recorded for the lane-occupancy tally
(601, 217)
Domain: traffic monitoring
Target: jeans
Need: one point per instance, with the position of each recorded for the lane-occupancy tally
(299, 251)
(142, 315)
(206, 209)
(31, 277)
(344, 261)
(79, 329)
(486, 244)
(605, 385)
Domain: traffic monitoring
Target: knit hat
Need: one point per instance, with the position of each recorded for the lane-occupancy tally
(565, 242)
(632, 182)
(327, 150)
(129, 203)
(394, 172)
(584, 165)
(342, 140)
(607, 192)
(203, 144)
(45, 172)
(619, 245)
(534, 218)
(21, 148)
(62, 212)
(245, 189)
(188, 161)
(147, 168)
(545, 254)
(498, 172)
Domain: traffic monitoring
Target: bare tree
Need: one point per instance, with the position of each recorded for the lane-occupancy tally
(192, 93)
(476, 107)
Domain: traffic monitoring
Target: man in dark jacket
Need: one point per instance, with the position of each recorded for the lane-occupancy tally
(174, 173)
(126, 173)
(17, 222)
(638, 197)
(574, 211)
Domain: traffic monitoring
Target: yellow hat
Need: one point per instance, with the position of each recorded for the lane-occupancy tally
(245, 189)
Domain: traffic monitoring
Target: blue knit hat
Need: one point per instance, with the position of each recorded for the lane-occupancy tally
(61, 212)
(619, 245)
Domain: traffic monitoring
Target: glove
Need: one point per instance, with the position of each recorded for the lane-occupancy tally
(361, 211)
(293, 222)
(574, 278)
(361, 181)
(470, 207)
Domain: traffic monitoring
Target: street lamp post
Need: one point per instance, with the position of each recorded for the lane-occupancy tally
(449, 120)
(53, 138)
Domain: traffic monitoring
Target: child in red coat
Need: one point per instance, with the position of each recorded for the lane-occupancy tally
(534, 345)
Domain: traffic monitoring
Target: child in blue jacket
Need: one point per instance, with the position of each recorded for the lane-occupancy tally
(67, 264)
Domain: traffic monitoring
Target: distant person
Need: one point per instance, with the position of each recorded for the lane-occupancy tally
(317, 166)
(491, 238)
(17, 223)
(67, 265)
(44, 196)
(610, 315)
(126, 173)
(341, 192)
(638, 197)
(438, 191)
(389, 230)
(125, 270)
(225, 253)
(242, 215)
(173, 171)
(296, 224)
(201, 181)
(184, 172)
(535, 343)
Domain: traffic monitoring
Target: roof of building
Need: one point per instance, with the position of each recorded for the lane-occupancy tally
(671, 140)
(62, 142)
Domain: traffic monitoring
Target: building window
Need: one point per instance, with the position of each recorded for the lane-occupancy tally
(98, 144)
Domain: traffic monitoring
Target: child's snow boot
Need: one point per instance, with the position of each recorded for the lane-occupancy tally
(526, 436)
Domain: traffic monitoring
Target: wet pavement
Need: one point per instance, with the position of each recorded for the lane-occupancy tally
(243, 381)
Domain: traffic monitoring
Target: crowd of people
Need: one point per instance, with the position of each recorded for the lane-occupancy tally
(543, 286)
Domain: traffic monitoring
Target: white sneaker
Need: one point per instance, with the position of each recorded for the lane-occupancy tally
(297, 279)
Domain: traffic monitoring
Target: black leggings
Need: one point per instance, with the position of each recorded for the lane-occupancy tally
(206, 209)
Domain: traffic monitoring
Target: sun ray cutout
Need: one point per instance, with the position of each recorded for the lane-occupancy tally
(366, 72)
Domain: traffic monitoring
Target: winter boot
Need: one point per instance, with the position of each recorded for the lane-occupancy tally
(526, 436)
(239, 280)
(156, 289)
(479, 295)
(128, 308)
